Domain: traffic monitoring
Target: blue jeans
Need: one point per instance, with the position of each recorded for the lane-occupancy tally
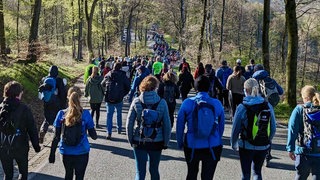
(142, 156)
(306, 164)
(251, 158)
(110, 111)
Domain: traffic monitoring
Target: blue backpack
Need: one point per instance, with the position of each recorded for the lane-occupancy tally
(47, 89)
(310, 139)
(226, 72)
(150, 122)
(205, 123)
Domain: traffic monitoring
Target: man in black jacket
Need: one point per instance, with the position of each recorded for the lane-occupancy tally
(117, 85)
(16, 127)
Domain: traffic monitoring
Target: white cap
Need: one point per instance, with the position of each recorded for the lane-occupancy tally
(238, 61)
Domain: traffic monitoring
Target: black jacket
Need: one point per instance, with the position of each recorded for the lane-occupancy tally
(185, 82)
(24, 125)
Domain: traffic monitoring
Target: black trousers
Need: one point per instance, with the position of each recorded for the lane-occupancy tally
(95, 107)
(21, 158)
(208, 163)
(75, 163)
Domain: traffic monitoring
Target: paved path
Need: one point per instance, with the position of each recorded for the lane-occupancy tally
(114, 159)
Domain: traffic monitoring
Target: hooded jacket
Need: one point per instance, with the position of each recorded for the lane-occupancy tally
(94, 89)
(240, 120)
(262, 74)
(134, 118)
(185, 116)
(223, 73)
(296, 128)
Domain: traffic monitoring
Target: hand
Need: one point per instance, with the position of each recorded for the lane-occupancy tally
(52, 158)
(37, 149)
(292, 156)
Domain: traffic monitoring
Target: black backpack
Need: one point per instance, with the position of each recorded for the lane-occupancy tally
(258, 130)
(169, 93)
(71, 135)
(310, 139)
(113, 91)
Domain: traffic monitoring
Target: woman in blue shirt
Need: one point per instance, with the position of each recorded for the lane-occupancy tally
(305, 162)
(75, 157)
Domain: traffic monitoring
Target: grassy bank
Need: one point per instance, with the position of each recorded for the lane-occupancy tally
(30, 76)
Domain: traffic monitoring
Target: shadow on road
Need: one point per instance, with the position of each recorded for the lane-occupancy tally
(46, 177)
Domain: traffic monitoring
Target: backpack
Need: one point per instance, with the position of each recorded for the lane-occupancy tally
(169, 93)
(204, 120)
(113, 91)
(71, 135)
(9, 128)
(47, 90)
(150, 122)
(310, 139)
(269, 90)
(258, 130)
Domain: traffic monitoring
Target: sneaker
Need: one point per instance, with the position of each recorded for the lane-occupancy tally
(109, 137)
(119, 131)
(41, 137)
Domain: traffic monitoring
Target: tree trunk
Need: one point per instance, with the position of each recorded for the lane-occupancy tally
(80, 4)
(239, 32)
(89, 18)
(128, 37)
(202, 31)
(283, 47)
(265, 36)
(73, 32)
(222, 24)
(17, 28)
(305, 57)
(56, 25)
(292, 56)
(2, 31)
(33, 36)
(102, 27)
(63, 38)
(182, 28)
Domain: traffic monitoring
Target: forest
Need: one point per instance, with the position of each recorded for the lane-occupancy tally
(283, 35)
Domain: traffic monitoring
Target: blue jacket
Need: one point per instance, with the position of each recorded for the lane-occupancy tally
(134, 118)
(83, 147)
(185, 116)
(223, 73)
(296, 127)
(240, 120)
(261, 74)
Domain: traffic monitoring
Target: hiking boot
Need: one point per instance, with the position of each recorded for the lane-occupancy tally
(41, 137)
(109, 137)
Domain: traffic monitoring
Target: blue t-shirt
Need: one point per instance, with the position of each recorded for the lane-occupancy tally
(83, 147)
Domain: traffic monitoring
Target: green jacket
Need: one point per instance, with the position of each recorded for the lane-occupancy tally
(94, 89)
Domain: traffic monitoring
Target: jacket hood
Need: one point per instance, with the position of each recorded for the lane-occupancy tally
(149, 97)
(96, 80)
(261, 74)
(250, 100)
(53, 71)
(10, 103)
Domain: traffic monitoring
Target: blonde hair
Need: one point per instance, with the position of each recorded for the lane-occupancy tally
(310, 92)
(95, 71)
(74, 112)
(252, 87)
(149, 83)
(170, 76)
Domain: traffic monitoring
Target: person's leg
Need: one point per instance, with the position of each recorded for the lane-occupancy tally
(302, 165)
(92, 107)
(154, 161)
(81, 162)
(268, 156)
(171, 109)
(110, 111)
(22, 161)
(97, 108)
(119, 116)
(68, 166)
(225, 96)
(315, 170)
(258, 160)
(7, 165)
(208, 165)
(141, 158)
(234, 105)
(193, 164)
(246, 157)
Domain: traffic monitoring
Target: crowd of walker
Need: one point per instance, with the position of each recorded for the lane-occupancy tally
(151, 86)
